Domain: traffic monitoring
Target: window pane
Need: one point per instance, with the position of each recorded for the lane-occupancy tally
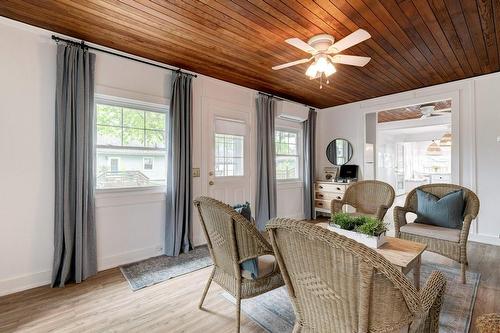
(133, 137)
(155, 139)
(133, 118)
(108, 135)
(108, 115)
(124, 161)
(287, 155)
(121, 168)
(155, 120)
(229, 155)
(287, 167)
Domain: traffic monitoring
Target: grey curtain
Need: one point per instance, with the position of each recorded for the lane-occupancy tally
(179, 181)
(265, 203)
(309, 131)
(75, 256)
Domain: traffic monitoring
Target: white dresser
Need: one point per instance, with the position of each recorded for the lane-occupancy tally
(324, 193)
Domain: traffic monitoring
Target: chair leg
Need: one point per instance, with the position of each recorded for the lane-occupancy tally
(238, 312)
(464, 267)
(206, 288)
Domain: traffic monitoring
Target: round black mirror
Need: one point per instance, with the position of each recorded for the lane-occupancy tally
(339, 151)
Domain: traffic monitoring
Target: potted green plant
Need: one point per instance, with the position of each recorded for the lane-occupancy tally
(363, 229)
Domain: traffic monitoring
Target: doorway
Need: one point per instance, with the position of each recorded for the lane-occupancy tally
(410, 146)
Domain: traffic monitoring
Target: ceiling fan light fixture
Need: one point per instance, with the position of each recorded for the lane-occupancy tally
(330, 69)
(312, 70)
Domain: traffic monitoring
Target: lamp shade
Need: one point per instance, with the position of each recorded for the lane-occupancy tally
(445, 140)
(433, 149)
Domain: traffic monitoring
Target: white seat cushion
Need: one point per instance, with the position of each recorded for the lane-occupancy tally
(266, 264)
(432, 231)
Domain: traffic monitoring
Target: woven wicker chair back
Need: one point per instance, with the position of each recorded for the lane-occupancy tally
(231, 238)
(440, 190)
(368, 195)
(338, 285)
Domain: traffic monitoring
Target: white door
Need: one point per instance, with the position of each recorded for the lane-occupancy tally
(227, 141)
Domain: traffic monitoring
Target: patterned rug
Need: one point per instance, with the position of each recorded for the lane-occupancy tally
(154, 270)
(274, 312)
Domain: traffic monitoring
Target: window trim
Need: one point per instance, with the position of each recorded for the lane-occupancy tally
(133, 104)
(300, 151)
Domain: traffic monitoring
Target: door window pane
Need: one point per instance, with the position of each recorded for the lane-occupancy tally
(229, 155)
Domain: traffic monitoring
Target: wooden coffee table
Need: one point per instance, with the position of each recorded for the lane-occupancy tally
(404, 254)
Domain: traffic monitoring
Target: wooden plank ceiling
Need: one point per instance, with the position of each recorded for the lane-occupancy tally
(411, 112)
(414, 43)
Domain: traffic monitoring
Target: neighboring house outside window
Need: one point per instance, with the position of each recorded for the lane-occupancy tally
(131, 144)
(288, 154)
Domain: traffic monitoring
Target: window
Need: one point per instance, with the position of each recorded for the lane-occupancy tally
(228, 155)
(147, 163)
(131, 145)
(287, 155)
(114, 164)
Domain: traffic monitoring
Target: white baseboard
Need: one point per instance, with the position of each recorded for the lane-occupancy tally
(24, 282)
(486, 239)
(20, 283)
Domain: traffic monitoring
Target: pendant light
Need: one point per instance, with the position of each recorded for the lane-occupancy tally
(445, 140)
(433, 149)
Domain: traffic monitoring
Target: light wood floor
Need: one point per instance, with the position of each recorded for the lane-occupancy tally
(105, 303)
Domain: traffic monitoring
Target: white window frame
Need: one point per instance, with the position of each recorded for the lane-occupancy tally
(300, 151)
(133, 104)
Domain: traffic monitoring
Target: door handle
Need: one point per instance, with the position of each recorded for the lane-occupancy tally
(211, 182)
(211, 173)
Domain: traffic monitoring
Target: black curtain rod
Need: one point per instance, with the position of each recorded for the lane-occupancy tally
(82, 44)
(282, 99)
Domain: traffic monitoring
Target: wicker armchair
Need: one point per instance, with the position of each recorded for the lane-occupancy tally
(231, 240)
(489, 323)
(338, 285)
(451, 243)
(368, 197)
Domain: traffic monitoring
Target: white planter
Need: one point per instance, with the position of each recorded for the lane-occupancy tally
(371, 241)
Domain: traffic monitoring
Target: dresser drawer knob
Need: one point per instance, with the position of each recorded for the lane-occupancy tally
(320, 195)
(338, 188)
(320, 204)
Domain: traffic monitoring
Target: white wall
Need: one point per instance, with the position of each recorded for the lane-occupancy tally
(476, 124)
(129, 224)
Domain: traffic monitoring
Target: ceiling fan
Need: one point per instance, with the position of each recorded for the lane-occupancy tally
(429, 110)
(324, 53)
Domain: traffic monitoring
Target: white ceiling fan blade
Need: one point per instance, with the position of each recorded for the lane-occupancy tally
(356, 37)
(293, 63)
(350, 60)
(300, 44)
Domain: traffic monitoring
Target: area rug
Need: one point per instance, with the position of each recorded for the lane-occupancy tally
(274, 312)
(154, 270)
